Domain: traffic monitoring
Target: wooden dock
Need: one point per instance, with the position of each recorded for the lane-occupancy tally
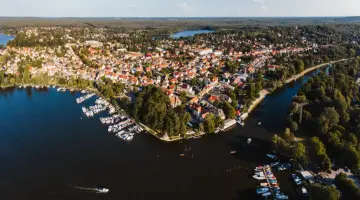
(268, 180)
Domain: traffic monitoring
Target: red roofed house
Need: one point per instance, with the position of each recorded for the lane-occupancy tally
(272, 68)
(212, 99)
(194, 100)
(175, 101)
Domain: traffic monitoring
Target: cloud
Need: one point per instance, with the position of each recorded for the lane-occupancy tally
(258, 1)
(186, 7)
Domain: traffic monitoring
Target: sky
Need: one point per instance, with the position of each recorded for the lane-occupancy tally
(179, 8)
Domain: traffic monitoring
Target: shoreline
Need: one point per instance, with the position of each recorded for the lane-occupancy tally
(264, 93)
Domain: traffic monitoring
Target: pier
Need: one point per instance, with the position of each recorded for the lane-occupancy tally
(268, 179)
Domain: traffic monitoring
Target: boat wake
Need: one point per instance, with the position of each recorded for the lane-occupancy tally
(97, 190)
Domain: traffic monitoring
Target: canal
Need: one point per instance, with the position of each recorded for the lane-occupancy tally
(48, 149)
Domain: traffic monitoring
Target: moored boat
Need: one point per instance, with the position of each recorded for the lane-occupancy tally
(271, 156)
(262, 190)
(258, 177)
(266, 194)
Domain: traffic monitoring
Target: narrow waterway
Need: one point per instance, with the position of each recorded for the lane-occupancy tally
(49, 149)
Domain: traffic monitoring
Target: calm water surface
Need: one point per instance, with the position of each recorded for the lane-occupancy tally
(189, 33)
(4, 39)
(48, 148)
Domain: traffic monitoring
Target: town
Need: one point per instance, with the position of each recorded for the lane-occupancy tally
(217, 78)
(274, 103)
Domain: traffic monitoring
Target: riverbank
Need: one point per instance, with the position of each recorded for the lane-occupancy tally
(294, 78)
(264, 93)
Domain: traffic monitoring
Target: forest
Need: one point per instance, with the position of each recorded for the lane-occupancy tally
(152, 107)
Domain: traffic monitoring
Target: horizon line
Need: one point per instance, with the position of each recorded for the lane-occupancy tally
(174, 17)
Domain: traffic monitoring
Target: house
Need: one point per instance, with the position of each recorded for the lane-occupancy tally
(272, 67)
(194, 100)
(206, 51)
(218, 53)
(219, 113)
(199, 112)
(175, 101)
(212, 99)
(185, 88)
(94, 44)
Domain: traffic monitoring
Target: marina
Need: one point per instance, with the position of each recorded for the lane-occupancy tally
(87, 144)
(271, 186)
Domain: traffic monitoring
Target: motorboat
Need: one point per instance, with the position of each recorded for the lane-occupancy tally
(259, 168)
(130, 138)
(259, 173)
(283, 167)
(266, 194)
(281, 196)
(274, 164)
(232, 152)
(304, 191)
(264, 184)
(271, 156)
(249, 140)
(262, 190)
(102, 190)
(276, 188)
(296, 179)
(272, 181)
(241, 123)
(259, 123)
(258, 177)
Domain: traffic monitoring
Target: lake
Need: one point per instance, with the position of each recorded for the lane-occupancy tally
(4, 39)
(48, 149)
(189, 33)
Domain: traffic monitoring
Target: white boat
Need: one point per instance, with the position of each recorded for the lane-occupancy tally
(262, 190)
(304, 191)
(266, 194)
(264, 184)
(102, 190)
(258, 177)
(271, 156)
(249, 140)
(259, 123)
(296, 179)
(259, 173)
(130, 138)
(241, 123)
(274, 164)
(281, 196)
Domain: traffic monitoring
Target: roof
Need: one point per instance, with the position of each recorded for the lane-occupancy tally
(307, 175)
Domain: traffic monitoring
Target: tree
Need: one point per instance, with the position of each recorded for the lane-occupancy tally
(250, 92)
(318, 154)
(229, 110)
(299, 153)
(209, 123)
(201, 127)
(328, 119)
(231, 66)
(299, 66)
(318, 192)
(182, 96)
(352, 157)
(347, 187)
(294, 126)
(12, 81)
